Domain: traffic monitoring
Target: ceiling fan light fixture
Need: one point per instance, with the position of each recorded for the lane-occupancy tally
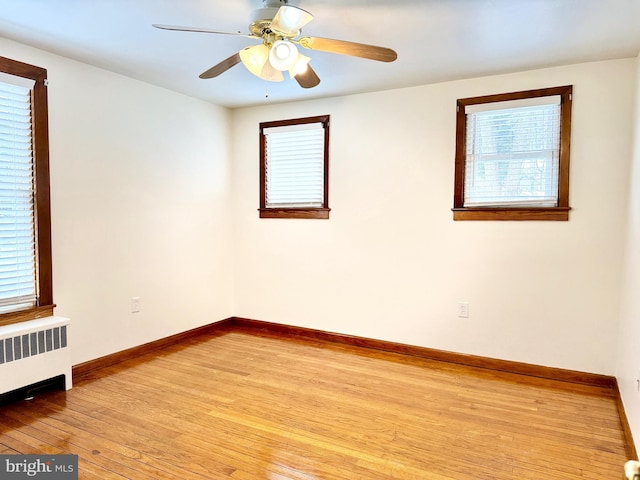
(294, 18)
(271, 74)
(300, 66)
(278, 25)
(283, 55)
(255, 58)
(289, 20)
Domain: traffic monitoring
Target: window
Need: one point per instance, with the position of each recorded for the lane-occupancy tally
(512, 156)
(294, 168)
(25, 219)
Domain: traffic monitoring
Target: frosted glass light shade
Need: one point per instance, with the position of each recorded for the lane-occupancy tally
(255, 58)
(290, 19)
(283, 55)
(294, 18)
(271, 74)
(300, 66)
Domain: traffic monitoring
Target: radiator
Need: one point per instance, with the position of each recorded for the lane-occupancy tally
(34, 351)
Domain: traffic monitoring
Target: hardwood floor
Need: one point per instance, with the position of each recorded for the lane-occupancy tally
(243, 405)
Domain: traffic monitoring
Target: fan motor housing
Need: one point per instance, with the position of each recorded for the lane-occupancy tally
(261, 17)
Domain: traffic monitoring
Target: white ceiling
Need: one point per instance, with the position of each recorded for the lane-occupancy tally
(436, 40)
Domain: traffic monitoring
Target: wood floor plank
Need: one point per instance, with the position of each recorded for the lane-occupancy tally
(250, 406)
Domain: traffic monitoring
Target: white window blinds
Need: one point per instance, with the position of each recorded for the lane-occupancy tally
(294, 166)
(17, 230)
(512, 153)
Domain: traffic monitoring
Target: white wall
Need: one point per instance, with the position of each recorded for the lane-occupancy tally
(628, 370)
(392, 264)
(140, 206)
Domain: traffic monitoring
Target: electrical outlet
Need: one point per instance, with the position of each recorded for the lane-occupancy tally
(135, 304)
(463, 309)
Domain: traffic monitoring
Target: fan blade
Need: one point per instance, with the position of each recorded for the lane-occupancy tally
(289, 20)
(200, 30)
(343, 47)
(222, 67)
(308, 78)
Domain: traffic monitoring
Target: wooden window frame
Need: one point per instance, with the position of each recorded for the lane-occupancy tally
(44, 282)
(294, 212)
(561, 211)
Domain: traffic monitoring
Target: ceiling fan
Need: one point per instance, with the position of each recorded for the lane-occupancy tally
(278, 25)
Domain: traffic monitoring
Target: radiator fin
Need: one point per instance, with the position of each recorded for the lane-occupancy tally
(34, 343)
(34, 351)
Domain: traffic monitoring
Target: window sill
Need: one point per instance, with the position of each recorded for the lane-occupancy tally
(322, 213)
(560, 214)
(26, 315)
